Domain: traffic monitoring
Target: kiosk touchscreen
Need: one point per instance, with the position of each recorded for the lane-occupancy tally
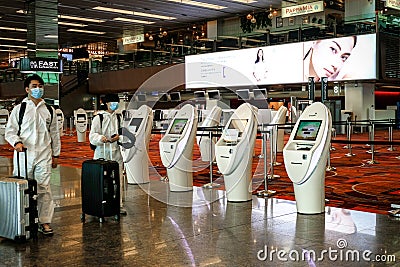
(4, 114)
(60, 119)
(136, 135)
(176, 149)
(305, 156)
(207, 145)
(81, 124)
(234, 152)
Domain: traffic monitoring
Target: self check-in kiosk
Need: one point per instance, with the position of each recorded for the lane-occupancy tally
(4, 114)
(176, 149)
(305, 156)
(234, 152)
(81, 122)
(207, 145)
(136, 135)
(60, 119)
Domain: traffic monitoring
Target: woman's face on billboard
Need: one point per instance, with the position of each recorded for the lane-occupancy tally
(329, 56)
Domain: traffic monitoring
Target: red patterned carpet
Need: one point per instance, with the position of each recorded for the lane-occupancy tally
(355, 184)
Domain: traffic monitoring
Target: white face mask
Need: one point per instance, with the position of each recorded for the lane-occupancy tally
(37, 92)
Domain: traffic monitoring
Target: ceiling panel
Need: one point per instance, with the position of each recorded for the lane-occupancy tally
(185, 15)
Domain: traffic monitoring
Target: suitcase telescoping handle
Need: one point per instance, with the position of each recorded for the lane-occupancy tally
(26, 163)
(104, 150)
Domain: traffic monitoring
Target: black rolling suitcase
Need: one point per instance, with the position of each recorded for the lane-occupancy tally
(100, 189)
(18, 206)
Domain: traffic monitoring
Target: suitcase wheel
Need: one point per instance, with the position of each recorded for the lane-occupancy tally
(116, 217)
(83, 217)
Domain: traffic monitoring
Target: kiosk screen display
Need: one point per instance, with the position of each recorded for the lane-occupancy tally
(80, 117)
(135, 124)
(307, 130)
(239, 124)
(177, 126)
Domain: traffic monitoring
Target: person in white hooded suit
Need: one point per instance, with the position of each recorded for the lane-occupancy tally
(39, 134)
(104, 131)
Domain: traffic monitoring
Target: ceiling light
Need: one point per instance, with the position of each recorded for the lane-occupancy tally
(134, 20)
(79, 18)
(52, 36)
(85, 31)
(15, 46)
(13, 29)
(20, 11)
(199, 4)
(115, 10)
(4, 50)
(155, 16)
(12, 39)
(72, 24)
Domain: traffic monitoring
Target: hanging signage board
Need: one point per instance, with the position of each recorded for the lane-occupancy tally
(303, 9)
(395, 4)
(133, 39)
(30, 65)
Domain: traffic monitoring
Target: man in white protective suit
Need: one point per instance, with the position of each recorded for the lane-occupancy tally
(104, 131)
(38, 133)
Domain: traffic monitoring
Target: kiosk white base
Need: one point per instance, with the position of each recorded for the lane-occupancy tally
(179, 180)
(81, 136)
(310, 196)
(137, 174)
(238, 184)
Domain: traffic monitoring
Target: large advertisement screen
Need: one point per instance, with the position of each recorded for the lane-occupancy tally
(344, 58)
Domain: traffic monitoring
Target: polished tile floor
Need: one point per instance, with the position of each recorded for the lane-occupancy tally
(200, 228)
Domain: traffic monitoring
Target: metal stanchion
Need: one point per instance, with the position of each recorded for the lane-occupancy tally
(372, 161)
(272, 148)
(265, 192)
(211, 184)
(71, 131)
(333, 137)
(329, 167)
(276, 135)
(391, 148)
(262, 144)
(349, 130)
(371, 136)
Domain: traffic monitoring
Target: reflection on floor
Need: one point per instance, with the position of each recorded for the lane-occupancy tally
(200, 228)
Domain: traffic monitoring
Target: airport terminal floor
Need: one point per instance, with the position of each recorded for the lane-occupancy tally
(201, 228)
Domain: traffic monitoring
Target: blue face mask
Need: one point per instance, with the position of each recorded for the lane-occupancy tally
(114, 106)
(37, 92)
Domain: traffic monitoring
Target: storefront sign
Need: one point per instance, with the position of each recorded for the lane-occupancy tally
(395, 4)
(42, 64)
(133, 39)
(303, 9)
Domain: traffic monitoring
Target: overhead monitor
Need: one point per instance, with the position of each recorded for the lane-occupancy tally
(199, 94)
(214, 95)
(163, 98)
(175, 96)
(308, 130)
(260, 93)
(239, 124)
(135, 124)
(178, 125)
(243, 94)
(141, 97)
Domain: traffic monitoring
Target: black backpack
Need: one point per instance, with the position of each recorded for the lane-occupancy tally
(22, 112)
(93, 147)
